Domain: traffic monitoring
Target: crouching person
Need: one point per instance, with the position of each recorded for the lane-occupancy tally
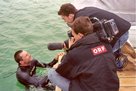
(89, 64)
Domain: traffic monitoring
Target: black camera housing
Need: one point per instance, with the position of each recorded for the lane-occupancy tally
(105, 29)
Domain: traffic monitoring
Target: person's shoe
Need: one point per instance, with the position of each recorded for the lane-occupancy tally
(121, 62)
(127, 48)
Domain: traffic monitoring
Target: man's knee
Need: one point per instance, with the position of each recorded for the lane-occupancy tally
(51, 73)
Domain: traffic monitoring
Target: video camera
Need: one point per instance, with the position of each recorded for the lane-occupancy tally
(105, 29)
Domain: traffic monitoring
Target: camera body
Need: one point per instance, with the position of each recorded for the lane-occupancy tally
(105, 29)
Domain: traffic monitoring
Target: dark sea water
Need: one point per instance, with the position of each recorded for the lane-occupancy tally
(28, 25)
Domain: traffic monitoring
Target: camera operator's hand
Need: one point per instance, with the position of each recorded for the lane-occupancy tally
(61, 54)
(59, 58)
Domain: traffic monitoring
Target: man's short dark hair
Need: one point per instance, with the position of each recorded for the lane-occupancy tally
(67, 9)
(17, 57)
(82, 25)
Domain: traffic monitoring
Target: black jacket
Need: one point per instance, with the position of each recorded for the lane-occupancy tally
(27, 75)
(122, 24)
(89, 65)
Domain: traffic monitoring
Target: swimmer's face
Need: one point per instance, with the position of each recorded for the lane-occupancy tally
(26, 58)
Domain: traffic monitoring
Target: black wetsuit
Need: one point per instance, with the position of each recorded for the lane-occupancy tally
(27, 74)
(90, 66)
